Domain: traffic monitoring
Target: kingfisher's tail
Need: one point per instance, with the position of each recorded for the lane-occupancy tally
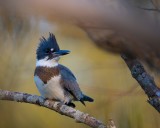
(86, 98)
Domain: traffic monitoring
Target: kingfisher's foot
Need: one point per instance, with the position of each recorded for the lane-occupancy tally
(70, 104)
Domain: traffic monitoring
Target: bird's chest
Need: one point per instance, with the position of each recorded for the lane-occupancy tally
(52, 89)
(48, 82)
(46, 73)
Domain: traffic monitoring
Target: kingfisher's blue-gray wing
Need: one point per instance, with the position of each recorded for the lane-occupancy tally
(69, 82)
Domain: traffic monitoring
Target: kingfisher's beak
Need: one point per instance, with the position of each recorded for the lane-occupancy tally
(62, 52)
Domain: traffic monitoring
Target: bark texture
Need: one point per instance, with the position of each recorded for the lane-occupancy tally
(145, 81)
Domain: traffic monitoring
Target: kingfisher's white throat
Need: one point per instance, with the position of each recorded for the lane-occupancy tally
(47, 62)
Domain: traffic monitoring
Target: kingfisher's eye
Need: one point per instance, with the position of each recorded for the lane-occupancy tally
(47, 51)
(52, 50)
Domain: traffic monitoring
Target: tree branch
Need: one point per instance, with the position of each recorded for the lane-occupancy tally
(150, 9)
(145, 81)
(56, 106)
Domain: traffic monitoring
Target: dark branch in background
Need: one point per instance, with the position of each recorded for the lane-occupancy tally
(145, 81)
(156, 9)
(150, 9)
(79, 116)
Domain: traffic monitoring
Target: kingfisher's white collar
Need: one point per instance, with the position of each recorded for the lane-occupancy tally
(47, 63)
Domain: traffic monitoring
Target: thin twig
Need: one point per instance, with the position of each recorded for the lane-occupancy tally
(79, 116)
(145, 81)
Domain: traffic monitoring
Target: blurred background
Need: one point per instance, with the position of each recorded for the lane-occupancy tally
(102, 75)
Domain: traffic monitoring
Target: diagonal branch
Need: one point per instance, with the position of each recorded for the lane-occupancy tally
(56, 106)
(145, 81)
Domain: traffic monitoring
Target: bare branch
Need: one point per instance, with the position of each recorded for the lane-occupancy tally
(150, 9)
(145, 81)
(156, 9)
(79, 116)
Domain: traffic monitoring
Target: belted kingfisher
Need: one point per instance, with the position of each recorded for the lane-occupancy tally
(53, 80)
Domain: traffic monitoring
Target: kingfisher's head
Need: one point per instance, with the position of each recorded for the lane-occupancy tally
(48, 51)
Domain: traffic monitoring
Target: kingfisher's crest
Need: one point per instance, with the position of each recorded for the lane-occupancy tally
(47, 46)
